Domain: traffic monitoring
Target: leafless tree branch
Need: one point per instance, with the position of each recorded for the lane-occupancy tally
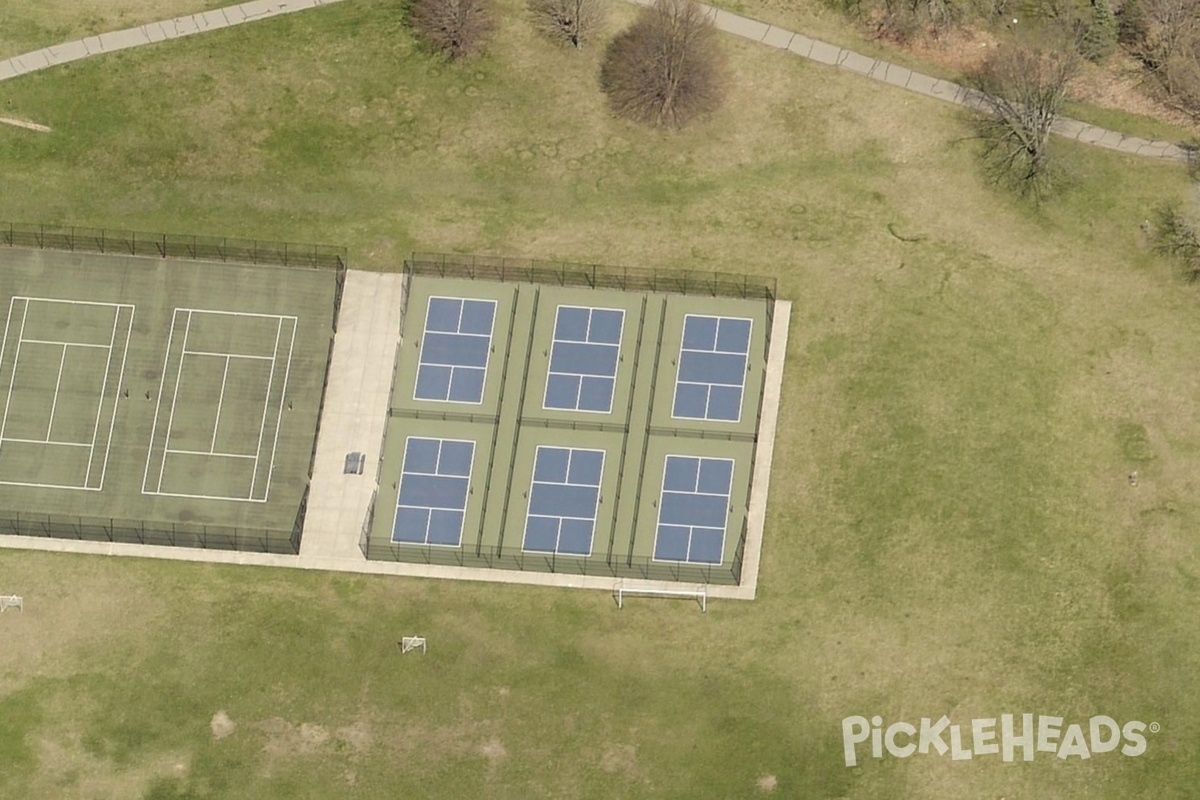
(666, 68)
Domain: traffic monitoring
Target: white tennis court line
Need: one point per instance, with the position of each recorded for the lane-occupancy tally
(490, 336)
(554, 340)
(158, 402)
(62, 362)
(219, 313)
(225, 355)
(262, 423)
(20, 337)
(429, 521)
(708, 397)
(212, 446)
(116, 402)
(533, 481)
(100, 408)
(287, 372)
(44, 441)
(100, 405)
(174, 394)
(71, 344)
(212, 452)
(692, 528)
(205, 453)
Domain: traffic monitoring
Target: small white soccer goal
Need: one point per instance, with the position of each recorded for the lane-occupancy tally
(700, 595)
(11, 601)
(411, 643)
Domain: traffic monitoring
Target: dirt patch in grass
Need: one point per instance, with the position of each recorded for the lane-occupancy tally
(222, 725)
(285, 738)
(767, 783)
(619, 759)
(67, 768)
(493, 750)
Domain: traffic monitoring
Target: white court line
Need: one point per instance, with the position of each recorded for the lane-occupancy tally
(3, 349)
(62, 362)
(212, 452)
(16, 357)
(52, 485)
(72, 344)
(117, 401)
(708, 397)
(212, 446)
(220, 497)
(287, 372)
(65, 345)
(158, 403)
(554, 340)
(533, 481)
(490, 336)
(224, 355)
(44, 441)
(429, 521)
(174, 400)
(279, 418)
(205, 453)
(68, 302)
(692, 528)
(262, 424)
(232, 313)
(103, 388)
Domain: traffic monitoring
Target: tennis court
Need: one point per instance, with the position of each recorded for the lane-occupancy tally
(159, 400)
(61, 363)
(555, 428)
(224, 449)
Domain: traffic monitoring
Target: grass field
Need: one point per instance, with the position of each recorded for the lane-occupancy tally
(158, 392)
(951, 529)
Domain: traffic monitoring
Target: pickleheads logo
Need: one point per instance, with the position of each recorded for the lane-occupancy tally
(983, 737)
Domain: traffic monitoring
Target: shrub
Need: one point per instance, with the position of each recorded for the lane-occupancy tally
(456, 28)
(571, 21)
(1174, 235)
(666, 68)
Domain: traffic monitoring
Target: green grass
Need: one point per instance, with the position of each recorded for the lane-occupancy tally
(951, 528)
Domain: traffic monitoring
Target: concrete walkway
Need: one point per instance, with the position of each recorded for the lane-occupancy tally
(770, 35)
(354, 417)
(150, 33)
(905, 78)
(355, 414)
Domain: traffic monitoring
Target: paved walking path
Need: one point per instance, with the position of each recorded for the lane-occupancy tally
(355, 413)
(905, 78)
(152, 32)
(769, 35)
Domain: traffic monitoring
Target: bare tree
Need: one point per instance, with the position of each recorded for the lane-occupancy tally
(1168, 42)
(456, 28)
(1021, 91)
(666, 68)
(573, 21)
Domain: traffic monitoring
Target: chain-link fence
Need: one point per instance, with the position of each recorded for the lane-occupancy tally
(171, 245)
